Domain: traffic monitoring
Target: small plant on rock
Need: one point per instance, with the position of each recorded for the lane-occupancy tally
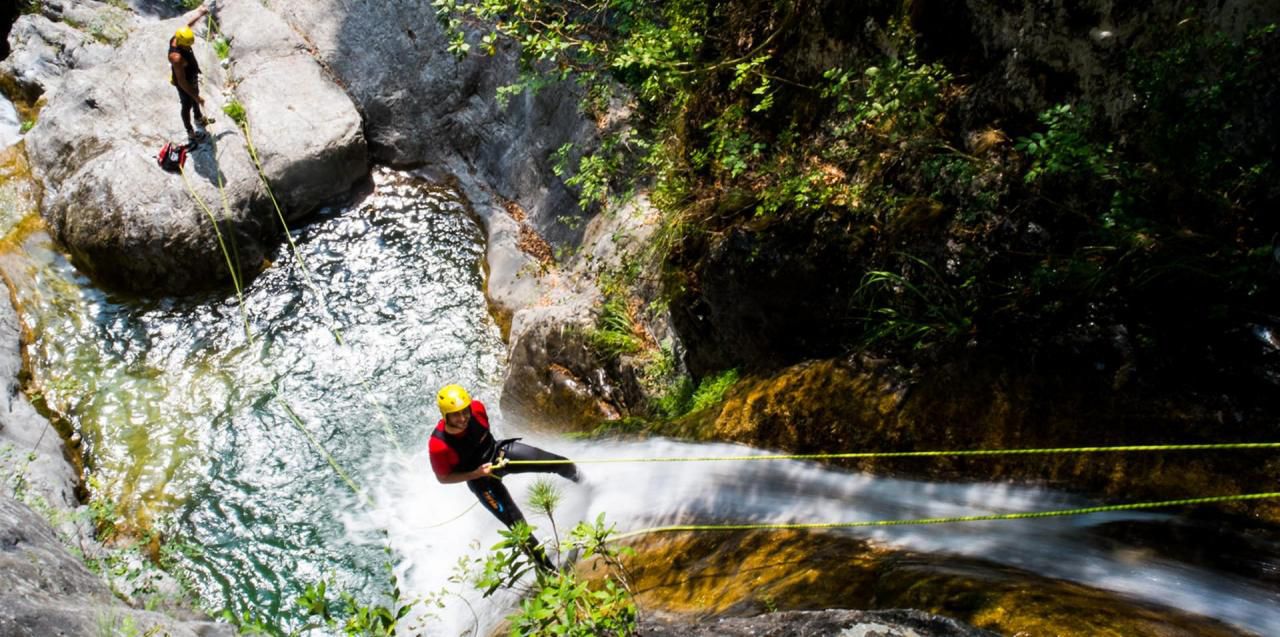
(235, 110)
(560, 602)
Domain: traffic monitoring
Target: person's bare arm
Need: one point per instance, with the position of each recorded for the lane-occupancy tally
(179, 66)
(200, 13)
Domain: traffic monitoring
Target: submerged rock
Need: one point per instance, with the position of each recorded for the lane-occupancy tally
(837, 623)
(731, 578)
(129, 224)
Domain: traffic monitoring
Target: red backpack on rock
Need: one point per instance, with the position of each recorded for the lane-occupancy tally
(172, 156)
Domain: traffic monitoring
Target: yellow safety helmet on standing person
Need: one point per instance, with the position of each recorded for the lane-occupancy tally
(184, 36)
(452, 398)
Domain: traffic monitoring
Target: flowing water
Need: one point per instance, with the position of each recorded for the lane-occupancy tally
(186, 417)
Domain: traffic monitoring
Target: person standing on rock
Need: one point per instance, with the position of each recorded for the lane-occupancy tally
(463, 449)
(185, 74)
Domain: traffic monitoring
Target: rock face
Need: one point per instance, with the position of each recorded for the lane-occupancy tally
(46, 46)
(726, 583)
(837, 623)
(132, 225)
(424, 106)
(49, 592)
(307, 132)
(30, 447)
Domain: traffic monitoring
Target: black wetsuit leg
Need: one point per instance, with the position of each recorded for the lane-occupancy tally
(188, 105)
(495, 497)
(519, 451)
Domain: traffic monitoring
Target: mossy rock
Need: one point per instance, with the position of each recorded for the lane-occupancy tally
(834, 406)
(710, 575)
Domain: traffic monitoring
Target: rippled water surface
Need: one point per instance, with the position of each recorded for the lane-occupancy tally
(186, 417)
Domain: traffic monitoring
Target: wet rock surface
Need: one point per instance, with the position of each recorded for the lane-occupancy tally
(708, 578)
(48, 591)
(835, 623)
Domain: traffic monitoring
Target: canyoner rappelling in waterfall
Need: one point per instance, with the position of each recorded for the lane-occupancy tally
(463, 449)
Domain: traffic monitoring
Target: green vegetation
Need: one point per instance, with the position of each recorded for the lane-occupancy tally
(615, 333)
(933, 231)
(915, 313)
(15, 478)
(560, 602)
(682, 397)
(350, 616)
(235, 110)
(1064, 147)
(222, 47)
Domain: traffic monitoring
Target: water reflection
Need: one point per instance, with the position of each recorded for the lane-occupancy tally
(185, 418)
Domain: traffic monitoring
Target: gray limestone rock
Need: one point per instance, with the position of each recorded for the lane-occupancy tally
(423, 106)
(10, 127)
(31, 457)
(48, 591)
(308, 134)
(129, 224)
(43, 51)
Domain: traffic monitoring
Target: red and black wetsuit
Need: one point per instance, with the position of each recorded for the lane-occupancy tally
(192, 73)
(474, 447)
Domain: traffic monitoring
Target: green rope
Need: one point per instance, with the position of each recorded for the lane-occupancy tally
(367, 394)
(963, 518)
(454, 518)
(297, 422)
(235, 276)
(916, 454)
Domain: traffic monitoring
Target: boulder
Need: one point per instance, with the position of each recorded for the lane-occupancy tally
(45, 46)
(308, 133)
(129, 224)
(49, 592)
(423, 106)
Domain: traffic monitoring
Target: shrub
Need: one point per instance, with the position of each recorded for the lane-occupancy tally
(560, 602)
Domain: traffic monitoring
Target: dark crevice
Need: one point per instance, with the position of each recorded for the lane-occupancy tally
(8, 15)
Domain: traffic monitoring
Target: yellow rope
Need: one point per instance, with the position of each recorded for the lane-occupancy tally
(235, 277)
(963, 518)
(915, 454)
(297, 422)
(315, 289)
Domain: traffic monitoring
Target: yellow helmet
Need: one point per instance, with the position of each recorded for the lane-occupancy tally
(452, 398)
(184, 37)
